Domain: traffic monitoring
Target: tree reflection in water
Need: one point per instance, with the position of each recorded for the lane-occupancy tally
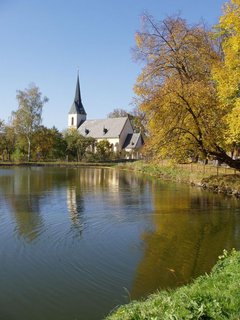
(191, 229)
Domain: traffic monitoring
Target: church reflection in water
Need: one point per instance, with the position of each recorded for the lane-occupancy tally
(75, 205)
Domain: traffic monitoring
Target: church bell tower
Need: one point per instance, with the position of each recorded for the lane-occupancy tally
(77, 114)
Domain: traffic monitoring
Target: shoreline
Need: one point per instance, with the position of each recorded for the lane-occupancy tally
(227, 184)
(57, 164)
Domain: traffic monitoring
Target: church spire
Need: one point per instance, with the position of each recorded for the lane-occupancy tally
(77, 106)
(77, 114)
(78, 99)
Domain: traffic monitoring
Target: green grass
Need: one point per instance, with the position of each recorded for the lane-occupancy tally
(179, 173)
(192, 174)
(58, 163)
(214, 296)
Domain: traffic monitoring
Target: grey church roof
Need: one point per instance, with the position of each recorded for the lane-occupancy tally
(103, 128)
(77, 106)
(131, 140)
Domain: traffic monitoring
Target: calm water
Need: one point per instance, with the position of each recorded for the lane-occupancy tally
(76, 243)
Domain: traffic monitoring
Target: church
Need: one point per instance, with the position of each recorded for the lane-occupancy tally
(118, 131)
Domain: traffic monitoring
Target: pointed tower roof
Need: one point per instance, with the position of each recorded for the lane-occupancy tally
(77, 106)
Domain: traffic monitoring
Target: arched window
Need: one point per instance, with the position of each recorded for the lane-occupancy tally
(72, 121)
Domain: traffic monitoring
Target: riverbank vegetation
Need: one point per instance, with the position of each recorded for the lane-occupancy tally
(214, 296)
(218, 179)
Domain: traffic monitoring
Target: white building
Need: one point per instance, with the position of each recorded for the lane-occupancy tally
(118, 131)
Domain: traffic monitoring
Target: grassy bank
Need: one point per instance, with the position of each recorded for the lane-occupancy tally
(58, 164)
(213, 178)
(166, 172)
(214, 296)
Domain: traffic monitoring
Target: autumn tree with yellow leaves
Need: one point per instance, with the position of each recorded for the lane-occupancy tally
(227, 72)
(178, 93)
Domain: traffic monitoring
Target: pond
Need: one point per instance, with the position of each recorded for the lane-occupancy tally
(75, 243)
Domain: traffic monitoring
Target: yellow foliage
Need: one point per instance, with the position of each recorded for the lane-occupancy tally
(189, 93)
(227, 73)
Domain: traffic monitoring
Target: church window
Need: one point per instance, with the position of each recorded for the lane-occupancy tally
(72, 121)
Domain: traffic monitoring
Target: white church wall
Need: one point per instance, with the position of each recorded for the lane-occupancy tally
(74, 120)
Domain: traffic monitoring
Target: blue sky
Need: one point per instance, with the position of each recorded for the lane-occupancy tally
(46, 41)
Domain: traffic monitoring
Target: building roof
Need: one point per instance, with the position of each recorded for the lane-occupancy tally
(77, 106)
(103, 128)
(131, 140)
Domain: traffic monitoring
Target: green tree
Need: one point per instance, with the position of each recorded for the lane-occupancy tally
(177, 92)
(104, 150)
(10, 140)
(58, 150)
(1, 125)
(28, 117)
(48, 144)
(7, 140)
(77, 144)
(2, 143)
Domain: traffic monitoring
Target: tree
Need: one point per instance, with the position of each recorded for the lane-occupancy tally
(48, 144)
(177, 92)
(118, 113)
(7, 141)
(1, 125)
(77, 144)
(104, 150)
(58, 150)
(136, 116)
(227, 72)
(139, 120)
(28, 117)
(2, 144)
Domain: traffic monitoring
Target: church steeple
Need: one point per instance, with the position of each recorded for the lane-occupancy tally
(77, 106)
(77, 114)
(78, 99)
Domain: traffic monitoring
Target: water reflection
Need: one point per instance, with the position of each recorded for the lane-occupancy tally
(27, 190)
(24, 202)
(191, 229)
(79, 236)
(75, 204)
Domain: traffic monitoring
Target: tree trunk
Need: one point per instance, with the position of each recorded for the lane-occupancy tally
(224, 158)
(29, 149)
